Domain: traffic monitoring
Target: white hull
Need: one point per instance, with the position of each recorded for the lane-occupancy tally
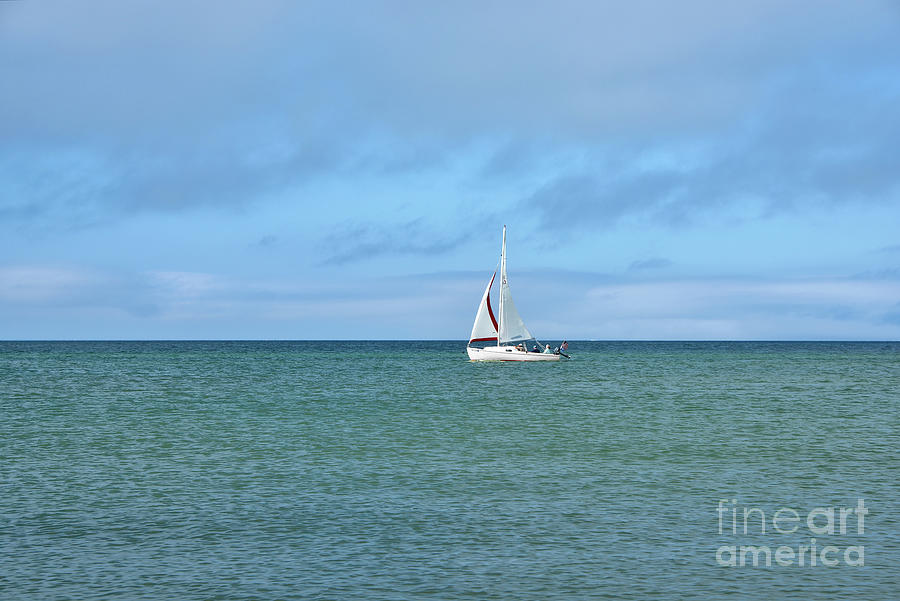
(507, 353)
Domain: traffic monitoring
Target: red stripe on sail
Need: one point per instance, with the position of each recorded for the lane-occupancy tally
(491, 311)
(483, 339)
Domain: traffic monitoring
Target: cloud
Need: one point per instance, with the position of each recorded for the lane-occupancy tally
(267, 241)
(654, 263)
(352, 242)
(579, 201)
(84, 186)
(795, 160)
(757, 309)
(553, 303)
(890, 273)
(48, 289)
(892, 316)
(102, 122)
(41, 284)
(64, 303)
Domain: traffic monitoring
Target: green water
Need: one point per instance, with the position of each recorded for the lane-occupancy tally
(399, 470)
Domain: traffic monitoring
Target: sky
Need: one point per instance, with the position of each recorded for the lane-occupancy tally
(698, 170)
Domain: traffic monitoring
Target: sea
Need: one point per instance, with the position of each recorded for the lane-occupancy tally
(399, 470)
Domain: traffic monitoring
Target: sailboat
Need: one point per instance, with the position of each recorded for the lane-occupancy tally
(509, 333)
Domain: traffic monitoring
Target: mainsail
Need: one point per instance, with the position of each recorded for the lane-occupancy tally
(512, 328)
(485, 328)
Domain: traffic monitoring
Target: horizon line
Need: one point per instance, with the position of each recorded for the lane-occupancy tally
(461, 340)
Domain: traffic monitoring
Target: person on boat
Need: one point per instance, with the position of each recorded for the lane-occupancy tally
(520, 347)
(547, 350)
(535, 349)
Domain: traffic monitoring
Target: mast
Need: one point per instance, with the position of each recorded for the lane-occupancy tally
(502, 283)
(511, 328)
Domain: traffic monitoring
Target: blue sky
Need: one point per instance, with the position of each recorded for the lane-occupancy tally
(693, 170)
